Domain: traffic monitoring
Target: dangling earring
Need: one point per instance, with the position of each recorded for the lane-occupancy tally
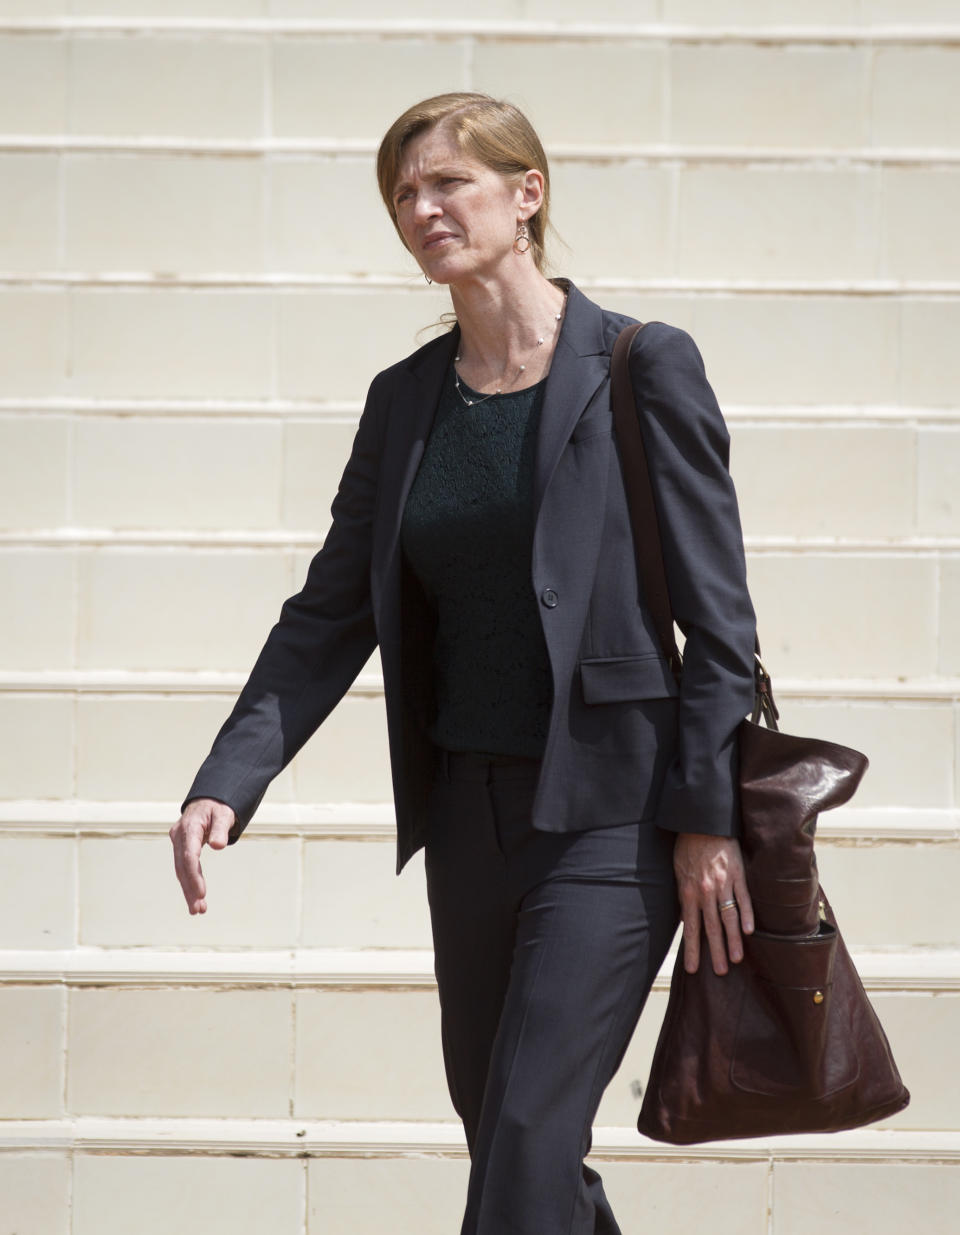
(522, 240)
(427, 277)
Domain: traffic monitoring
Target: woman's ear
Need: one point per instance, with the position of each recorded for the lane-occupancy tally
(530, 197)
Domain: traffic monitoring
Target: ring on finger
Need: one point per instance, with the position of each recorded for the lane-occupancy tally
(732, 904)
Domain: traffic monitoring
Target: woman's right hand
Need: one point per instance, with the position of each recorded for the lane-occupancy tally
(712, 888)
(204, 821)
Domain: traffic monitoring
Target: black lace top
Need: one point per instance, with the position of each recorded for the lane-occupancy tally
(468, 534)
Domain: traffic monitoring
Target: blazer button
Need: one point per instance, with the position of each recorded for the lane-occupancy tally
(549, 598)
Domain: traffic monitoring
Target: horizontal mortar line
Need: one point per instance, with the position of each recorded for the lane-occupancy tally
(399, 1139)
(370, 685)
(654, 153)
(163, 539)
(911, 33)
(342, 411)
(893, 546)
(72, 817)
(307, 538)
(146, 682)
(891, 690)
(411, 284)
(395, 1138)
(215, 409)
(375, 821)
(928, 970)
(302, 967)
(861, 416)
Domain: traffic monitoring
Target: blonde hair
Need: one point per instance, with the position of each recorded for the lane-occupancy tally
(494, 132)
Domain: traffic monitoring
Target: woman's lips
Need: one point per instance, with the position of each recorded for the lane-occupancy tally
(432, 242)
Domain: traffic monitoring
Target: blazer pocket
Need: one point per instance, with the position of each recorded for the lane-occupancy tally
(619, 679)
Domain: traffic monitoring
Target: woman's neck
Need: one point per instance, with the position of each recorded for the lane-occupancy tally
(500, 328)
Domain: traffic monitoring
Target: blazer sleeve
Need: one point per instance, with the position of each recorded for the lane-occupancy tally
(323, 638)
(688, 449)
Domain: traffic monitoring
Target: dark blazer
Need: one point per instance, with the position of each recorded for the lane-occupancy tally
(624, 743)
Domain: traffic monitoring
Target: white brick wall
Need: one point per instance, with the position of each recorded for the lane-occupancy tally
(221, 1196)
(197, 282)
(895, 1198)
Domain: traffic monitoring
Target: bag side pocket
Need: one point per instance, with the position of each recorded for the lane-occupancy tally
(792, 1038)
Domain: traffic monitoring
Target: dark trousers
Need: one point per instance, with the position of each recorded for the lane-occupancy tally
(546, 947)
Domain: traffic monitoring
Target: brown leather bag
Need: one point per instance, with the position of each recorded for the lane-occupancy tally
(787, 1040)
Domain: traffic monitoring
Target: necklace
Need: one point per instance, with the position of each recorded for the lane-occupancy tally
(520, 370)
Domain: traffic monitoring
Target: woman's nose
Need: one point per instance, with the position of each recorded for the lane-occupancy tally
(426, 207)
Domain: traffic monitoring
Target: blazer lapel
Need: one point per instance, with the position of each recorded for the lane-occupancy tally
(580, 366)
(413, 405)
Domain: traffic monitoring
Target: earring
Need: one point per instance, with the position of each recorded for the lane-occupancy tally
(522, 239)
(427, 277)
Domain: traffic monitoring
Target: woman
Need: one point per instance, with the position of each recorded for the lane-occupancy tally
(569, 795)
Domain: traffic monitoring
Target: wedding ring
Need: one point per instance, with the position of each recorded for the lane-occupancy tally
(727, 905)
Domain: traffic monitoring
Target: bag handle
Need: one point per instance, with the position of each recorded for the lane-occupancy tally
(647, 545)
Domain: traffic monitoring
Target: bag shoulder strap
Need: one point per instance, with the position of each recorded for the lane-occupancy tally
(647, 544)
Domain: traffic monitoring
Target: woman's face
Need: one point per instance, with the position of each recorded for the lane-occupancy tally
(457, 216)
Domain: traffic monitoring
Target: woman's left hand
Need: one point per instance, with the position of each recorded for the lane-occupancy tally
(712, 885)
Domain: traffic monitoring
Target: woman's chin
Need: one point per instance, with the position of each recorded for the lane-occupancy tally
(445, 272)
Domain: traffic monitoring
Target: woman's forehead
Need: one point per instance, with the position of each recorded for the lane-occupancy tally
(435, 148)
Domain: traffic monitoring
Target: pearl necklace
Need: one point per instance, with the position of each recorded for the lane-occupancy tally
(499, 390)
